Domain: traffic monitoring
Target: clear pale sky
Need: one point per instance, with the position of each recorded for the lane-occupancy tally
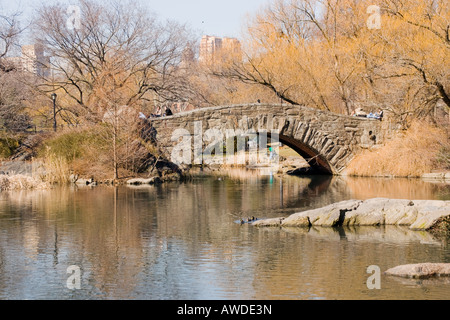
(212, 17)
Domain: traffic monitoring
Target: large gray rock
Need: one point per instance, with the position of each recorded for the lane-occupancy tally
(399, 212)
(85, 182)
(382, 211)
(429, 216)
(368, 213)
(275, 222)
(142, 181)
(417, 215)
(300, 219)
(328, 216)
(421, 270)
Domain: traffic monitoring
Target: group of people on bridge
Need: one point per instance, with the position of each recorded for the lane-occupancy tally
(359, 112)
(157, 114)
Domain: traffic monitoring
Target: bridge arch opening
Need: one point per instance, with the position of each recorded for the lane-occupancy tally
(318, 164)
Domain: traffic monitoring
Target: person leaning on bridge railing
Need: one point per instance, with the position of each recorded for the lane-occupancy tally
(376, 115)
(359, 112)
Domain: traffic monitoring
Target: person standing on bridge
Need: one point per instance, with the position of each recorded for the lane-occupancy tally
(168, 112)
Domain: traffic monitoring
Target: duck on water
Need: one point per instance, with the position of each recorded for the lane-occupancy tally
(252, 219)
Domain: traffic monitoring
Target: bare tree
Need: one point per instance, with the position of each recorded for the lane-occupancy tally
(10, 31)
(118, 37)
(12, 93)
(116, 59)
(13, 97)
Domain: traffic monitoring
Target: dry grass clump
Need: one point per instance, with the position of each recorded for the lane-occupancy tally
(89, 152)
(419, 150)
(20, 182)
(77, 150)
(56, 169)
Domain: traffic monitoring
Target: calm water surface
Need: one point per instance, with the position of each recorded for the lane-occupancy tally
(180, 241)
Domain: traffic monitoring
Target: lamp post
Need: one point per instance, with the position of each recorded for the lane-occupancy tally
(54, 110)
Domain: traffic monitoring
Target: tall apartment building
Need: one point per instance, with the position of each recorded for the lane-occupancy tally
(32, 60)
(210, 47)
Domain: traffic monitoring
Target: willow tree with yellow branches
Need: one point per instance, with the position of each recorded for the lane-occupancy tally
(337, 55)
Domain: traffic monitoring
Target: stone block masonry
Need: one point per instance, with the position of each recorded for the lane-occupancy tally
(328, 140)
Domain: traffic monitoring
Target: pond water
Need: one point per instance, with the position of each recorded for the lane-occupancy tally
(180, 241)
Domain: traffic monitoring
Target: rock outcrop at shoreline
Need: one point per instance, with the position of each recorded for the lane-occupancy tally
(20, 182)
(431, 215)
(420, 270)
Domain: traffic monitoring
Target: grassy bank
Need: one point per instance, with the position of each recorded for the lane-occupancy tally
(76, 150)
(89, 152)
(7, 147)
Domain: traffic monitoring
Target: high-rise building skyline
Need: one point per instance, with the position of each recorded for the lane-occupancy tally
(211, 46)
(32, 60)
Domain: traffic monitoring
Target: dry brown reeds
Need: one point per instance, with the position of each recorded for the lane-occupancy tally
(411, 154)
(56, 169)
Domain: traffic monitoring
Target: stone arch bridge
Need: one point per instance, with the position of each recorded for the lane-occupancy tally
(330, 139)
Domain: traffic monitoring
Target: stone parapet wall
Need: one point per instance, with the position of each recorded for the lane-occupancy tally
(332, 139)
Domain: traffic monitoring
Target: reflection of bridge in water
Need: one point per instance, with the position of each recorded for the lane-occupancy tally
(331, 140)
(131, 237)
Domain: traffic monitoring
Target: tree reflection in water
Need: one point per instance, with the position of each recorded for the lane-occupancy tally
(179, 240)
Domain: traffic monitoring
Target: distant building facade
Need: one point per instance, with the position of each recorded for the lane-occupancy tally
(211, 47)
(32, 60)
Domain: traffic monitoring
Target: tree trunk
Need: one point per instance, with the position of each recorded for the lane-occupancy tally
(115, 157)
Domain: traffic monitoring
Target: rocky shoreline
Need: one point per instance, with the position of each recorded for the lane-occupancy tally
(429, 215)
(420, 270)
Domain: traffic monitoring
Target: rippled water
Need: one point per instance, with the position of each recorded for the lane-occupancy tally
(180, 241)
